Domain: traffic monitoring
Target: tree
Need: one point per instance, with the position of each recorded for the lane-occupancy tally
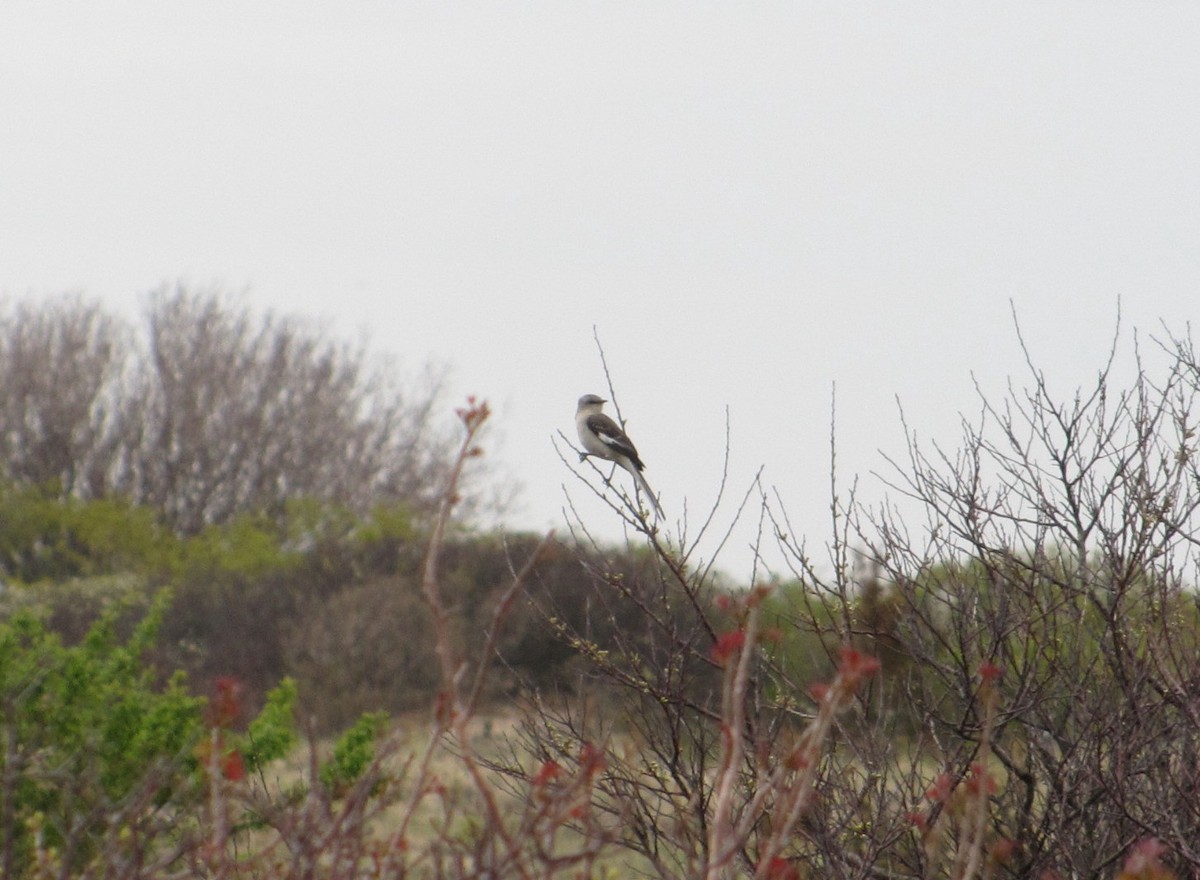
(211, 412)
(240, 414)
(61, 416)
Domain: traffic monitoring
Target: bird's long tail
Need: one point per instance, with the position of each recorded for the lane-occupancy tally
(645, 487)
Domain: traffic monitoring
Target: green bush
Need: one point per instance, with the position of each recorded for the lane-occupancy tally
(272, 734)
(50, 538)
(92, 743)
(353, 752)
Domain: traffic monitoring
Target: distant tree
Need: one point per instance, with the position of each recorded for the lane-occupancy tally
(61, 419)
(241, 413)
(215, 411)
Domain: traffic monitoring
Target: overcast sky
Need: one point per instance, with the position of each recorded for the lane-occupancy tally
(749, 201)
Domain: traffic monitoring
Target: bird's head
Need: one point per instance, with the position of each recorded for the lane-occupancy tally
(591, 403)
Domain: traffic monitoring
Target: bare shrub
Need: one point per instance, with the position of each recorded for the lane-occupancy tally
(1061, 548)
(366, 648)
(1037, 708)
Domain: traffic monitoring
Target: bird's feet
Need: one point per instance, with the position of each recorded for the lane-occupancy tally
(583, 456)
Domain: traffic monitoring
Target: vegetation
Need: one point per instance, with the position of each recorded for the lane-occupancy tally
(207, 411)
(1012, 689)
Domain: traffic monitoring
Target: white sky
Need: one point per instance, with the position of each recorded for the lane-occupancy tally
(751, 201)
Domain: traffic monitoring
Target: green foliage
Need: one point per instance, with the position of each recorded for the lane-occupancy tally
(242, 589)
(806, 622)
(312, 590)
(272, 734)
(90, 736)
(394, 523)
(353, 752)
(249, 546)
(50, 538)
(99, 754)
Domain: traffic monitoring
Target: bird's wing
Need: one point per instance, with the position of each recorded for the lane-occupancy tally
(611, 435)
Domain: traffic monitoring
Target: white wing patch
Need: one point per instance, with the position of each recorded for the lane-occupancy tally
(611, 435)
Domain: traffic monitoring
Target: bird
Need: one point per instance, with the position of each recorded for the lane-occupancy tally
(603, 438)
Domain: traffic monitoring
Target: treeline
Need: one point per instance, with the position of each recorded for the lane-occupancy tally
(319, 593)
(205, 410)
(258, 468)
(278, 482)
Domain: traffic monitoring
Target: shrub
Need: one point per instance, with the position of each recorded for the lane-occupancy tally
(93, 748)
(1013, 694)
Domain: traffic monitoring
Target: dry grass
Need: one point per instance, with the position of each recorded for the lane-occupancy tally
(442, 815)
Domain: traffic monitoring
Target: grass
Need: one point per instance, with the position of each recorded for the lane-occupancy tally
(443, 814)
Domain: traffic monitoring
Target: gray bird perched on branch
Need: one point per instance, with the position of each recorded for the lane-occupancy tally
(603, 438)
